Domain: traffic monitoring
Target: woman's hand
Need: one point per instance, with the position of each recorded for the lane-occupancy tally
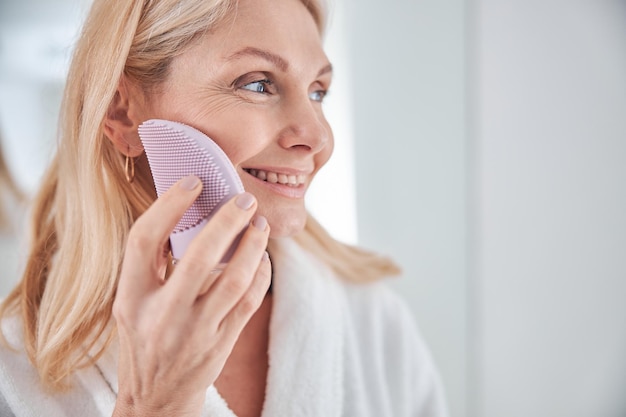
(176, 335)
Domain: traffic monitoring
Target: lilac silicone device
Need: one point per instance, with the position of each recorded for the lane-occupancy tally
(176, 150)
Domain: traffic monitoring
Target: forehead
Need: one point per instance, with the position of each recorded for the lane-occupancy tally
(284, 17)
(283, 27)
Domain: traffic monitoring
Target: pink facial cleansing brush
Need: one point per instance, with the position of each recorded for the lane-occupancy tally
(176, 150)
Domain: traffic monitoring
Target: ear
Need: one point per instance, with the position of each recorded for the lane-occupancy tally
(121, 121)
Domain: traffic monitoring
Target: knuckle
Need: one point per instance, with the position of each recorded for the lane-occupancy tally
(193, 266)
(259, 238)
(250, 303)
(234, 288)
(138, 240)
(265, 275)
(215, 353)
(236, 282)
(231, 216)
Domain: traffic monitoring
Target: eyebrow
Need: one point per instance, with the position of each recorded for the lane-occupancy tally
(328, 68)
(272, 58)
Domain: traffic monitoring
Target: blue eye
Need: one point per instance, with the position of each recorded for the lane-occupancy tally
(318, 95)
(260, 86)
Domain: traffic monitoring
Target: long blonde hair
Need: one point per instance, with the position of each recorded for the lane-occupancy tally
(85, 207)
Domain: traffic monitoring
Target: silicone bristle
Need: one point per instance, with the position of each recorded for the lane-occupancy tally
(172, 155)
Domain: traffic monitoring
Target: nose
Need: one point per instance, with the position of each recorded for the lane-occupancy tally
(304, 127)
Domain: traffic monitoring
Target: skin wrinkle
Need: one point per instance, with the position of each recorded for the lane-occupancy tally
(216, 94)
(217, 99)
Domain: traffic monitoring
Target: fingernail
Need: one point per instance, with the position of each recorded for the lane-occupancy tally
(260, 222)
(266, 256)
(244, 201)
(189, 183)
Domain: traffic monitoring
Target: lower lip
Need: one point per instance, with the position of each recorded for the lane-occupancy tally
(284, 190)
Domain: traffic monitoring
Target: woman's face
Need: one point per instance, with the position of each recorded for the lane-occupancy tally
(255, 85)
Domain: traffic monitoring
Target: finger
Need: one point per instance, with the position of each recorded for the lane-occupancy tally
(211, 278)
(209, 246)
(236, 319)
(236, 278)
(150, 233)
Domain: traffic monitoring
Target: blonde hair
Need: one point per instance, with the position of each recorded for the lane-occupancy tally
(85, 207)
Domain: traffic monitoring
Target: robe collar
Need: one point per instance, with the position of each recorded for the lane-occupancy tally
(305, 375)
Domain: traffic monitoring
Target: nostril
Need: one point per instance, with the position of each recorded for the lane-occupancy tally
(306, 142)
(305, 129)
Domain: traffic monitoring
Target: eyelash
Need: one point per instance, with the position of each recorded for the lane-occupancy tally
(266, 83)
(322, 93)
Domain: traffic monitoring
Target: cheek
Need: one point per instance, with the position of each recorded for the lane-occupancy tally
(240, 134)
(239, 141)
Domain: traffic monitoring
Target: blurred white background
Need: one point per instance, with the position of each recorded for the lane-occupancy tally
(482, 144)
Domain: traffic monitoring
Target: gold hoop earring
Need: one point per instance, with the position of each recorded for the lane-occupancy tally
(129, 169)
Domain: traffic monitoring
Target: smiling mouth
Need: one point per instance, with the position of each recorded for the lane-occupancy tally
(277, 178)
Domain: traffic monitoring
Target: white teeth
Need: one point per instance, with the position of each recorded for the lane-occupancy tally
(272, 177)
(276, 178)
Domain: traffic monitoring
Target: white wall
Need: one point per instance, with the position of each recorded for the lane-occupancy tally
(408, 85)
(549, 207)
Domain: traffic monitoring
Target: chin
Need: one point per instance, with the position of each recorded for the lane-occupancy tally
(285, 223)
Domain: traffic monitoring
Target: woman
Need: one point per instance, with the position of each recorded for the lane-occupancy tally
(103, 324)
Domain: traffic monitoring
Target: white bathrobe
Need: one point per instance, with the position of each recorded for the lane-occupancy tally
(335, 349)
